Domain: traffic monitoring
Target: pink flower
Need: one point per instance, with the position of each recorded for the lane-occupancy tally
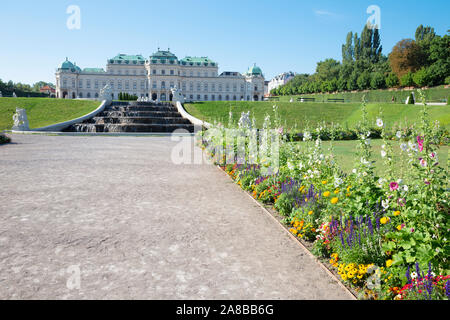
(427, 182)
(420, 143)
(393, 186)
(423, 162)
(401, 202)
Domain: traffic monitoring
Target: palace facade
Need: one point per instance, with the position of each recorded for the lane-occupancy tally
(197, 78)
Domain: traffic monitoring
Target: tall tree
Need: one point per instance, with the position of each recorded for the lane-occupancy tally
(347, 49)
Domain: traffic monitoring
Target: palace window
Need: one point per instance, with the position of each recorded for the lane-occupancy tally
(191, 86)
(213, 87)
(119, 84)
(184, 73)
(206, 97)
(80, 84)
(234, 87)
(163, 84)
(206, 87)
(183, 86)
(191, 73)
(198, 86)
(213, 97)
(227, 88)
(163, 71)
(242, 87)
(154, 85)
(96, 84)
(104, 84)
(154, 71)
(134, 85)
(172, 85)
(142, 84)
(73, 83)
(127, 85)
(172, 72)
(88, 94)
(88, 84)
(198, 97)
(112, 84)
(126, 72)
(206, 74)
(220, 88)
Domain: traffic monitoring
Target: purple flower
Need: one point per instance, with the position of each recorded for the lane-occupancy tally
(447, 288)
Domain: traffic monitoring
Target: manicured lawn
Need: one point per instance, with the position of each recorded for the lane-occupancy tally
(300, 114)
(43, 111)
(345, 153)
(433, 95)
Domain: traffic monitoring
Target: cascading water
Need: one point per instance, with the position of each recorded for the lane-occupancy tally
(135, 117)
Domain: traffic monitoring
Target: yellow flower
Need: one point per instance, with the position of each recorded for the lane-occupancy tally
(326, 194)
(310, 213)
(389, 263)
(324, 182)
(294, 231)
(384, 220)
(399, 227)
(397, 213)
(306, 199)
(301, 188)
(334, 200)
(348, 188)
(337, 191)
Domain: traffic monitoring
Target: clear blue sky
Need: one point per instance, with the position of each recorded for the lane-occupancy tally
(277, 35)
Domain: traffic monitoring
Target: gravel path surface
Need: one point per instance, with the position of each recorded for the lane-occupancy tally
(115, 218)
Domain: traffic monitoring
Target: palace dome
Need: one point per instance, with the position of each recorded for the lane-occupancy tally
(254, 70)
(67, 65)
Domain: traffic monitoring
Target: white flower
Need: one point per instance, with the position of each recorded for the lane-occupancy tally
(404, 147)
(368, 141)
(383, 153)
(400, 181)
(290, 166)
(383, 146)
(380, 123)
(405, 188)
(399, 134)
(413, 275)
(385, 204)
(338, 182)
(354, 171)
(307, 136)
(380, 181)
(364, 174)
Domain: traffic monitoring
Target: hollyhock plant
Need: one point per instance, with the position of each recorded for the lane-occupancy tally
(420, 141)
(393, 186)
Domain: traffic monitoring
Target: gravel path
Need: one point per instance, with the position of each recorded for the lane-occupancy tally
(115, 218)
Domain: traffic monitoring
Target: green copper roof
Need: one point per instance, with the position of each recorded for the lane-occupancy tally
(67, 65)
(254, 70)
(94, 70)
(161, 54)
(197, 61)
(127, 59)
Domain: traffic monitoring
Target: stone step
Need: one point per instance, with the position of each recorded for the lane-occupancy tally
(150, 114)
(141, 108)
(130, 128)
(139, 120)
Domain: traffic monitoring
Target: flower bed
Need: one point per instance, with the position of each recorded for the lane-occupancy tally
(4, 139)
(372, 228)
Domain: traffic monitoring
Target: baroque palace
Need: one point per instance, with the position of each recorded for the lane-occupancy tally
(197, 78)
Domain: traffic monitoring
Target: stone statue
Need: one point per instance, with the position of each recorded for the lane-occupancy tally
(20, 120)
(1, 96)
(106, 94)
(14, 95)
(176, 94)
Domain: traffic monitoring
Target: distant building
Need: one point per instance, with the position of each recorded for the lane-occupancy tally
(280, 80)
(197, 78)
(48, 90)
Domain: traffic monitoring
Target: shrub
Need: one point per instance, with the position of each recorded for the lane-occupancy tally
(377, 81)
(411, 99)
(422, 77)
(364, 81)
(447, 80)
(392, 80)
(407, 80)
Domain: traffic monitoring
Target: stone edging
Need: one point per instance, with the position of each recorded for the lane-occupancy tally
(63, 125)
(191, 118)
(296, 240)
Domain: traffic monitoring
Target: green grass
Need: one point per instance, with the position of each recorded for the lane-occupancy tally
(345, 153)
(42, 112)
(437, 94)
(313, 113)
